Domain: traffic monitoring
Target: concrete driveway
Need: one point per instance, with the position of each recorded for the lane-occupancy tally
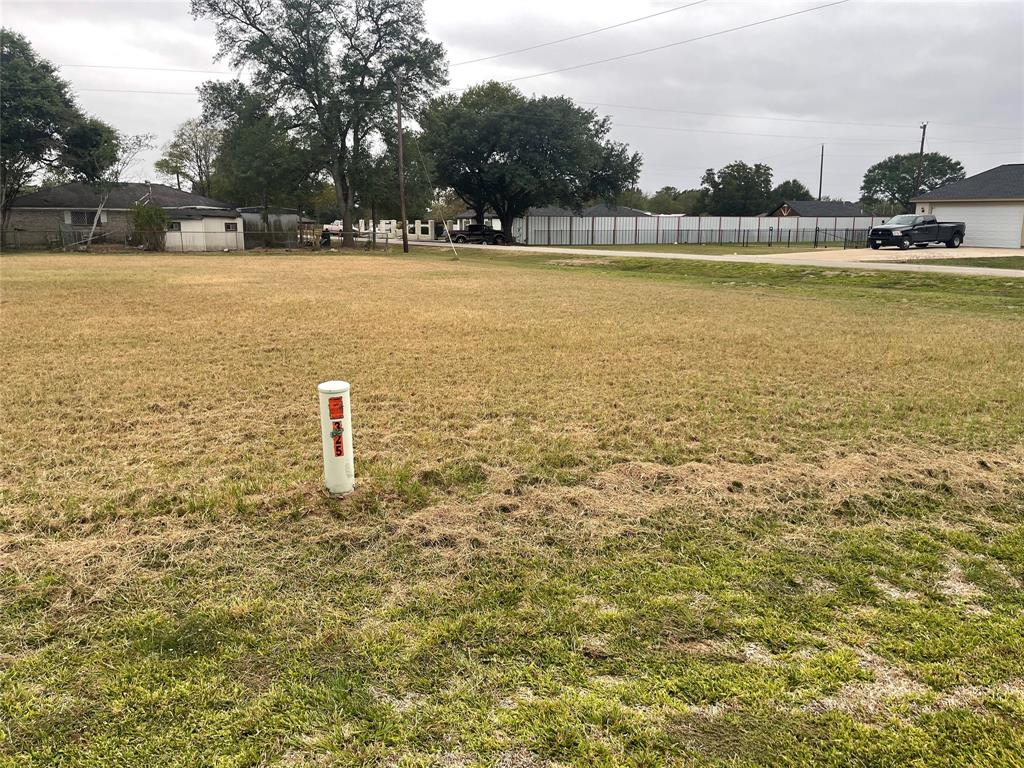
(854, 258)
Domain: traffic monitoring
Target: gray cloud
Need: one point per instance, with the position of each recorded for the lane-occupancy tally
(959, 65)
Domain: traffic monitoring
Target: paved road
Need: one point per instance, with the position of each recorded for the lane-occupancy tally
(811, 259)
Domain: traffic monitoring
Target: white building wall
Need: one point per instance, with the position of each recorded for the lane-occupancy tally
(989, 224)
(207, 234)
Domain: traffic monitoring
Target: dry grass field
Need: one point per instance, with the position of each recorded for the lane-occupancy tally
(610, 513)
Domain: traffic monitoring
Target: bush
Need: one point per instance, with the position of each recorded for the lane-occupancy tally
(149, 226)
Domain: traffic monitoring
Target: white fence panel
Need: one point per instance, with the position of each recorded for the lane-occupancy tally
(685, 230)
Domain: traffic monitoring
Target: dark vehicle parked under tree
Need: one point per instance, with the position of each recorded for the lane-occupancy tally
(478, 233)
(917, 230)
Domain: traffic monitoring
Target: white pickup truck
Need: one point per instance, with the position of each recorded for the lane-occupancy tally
(335, 227)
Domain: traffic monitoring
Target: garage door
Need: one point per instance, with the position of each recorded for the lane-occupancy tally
(988, 224)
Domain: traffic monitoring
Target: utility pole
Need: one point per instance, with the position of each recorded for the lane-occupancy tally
(821, 171)
(920, 164)
(401, 166)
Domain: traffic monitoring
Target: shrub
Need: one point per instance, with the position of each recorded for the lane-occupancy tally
(149, 226)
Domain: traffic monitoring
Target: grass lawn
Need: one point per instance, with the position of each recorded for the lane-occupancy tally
(999, 262)
(610, 513)
(725, 249)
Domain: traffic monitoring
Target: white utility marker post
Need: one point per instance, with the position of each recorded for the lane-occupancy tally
(336, 432)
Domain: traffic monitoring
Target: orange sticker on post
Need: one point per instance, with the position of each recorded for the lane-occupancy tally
(336, 406)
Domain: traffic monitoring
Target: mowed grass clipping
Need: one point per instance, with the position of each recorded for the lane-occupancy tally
(610, 513)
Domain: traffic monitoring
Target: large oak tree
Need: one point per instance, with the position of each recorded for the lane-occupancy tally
(499, 149)
(336, 66)
(260, 159)
(737, 189)
(890, 184)
(42, 130)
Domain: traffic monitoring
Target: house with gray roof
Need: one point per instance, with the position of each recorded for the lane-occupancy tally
(991, 203)
(821, 209)
(64, 215)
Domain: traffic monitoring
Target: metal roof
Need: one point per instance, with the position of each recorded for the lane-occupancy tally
(1004, 182)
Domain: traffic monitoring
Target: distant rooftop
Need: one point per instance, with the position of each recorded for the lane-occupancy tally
(1004, 182)
(823, 208)
(124, 196)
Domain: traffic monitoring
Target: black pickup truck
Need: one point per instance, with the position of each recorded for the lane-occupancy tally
(920, 231)
(478, 233)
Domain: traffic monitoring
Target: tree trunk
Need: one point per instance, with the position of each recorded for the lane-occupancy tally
(348, 239)
(506, 220)
(373, 223)
(265, 220)
(343, 194)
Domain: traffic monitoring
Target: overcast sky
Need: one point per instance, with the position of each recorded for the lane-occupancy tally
(859, 77)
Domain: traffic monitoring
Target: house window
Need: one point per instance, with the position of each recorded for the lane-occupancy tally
(231, 226)
(82, 218)
(174, 226)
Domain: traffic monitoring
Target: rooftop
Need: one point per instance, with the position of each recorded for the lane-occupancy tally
(818, 208)
(1004, 182)
(124, 196)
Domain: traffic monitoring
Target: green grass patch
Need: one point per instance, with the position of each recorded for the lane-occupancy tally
(619, 512)
(998, 262)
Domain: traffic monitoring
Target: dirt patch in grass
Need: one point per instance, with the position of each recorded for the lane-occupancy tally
(888, 684)
(839, 489)
(583, 262)
(697, 497)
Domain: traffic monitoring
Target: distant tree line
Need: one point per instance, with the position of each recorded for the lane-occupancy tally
(315, 128)
(739, 189)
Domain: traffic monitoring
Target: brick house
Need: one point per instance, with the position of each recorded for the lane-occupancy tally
(63, 216)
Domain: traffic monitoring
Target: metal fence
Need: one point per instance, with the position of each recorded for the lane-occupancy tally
(542, 231)
(687, 230)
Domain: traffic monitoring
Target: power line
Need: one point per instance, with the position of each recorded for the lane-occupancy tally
(125, 90)
(678, 43)
(744, 117)
(838, 139)
(147, 69)
(577, 36)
